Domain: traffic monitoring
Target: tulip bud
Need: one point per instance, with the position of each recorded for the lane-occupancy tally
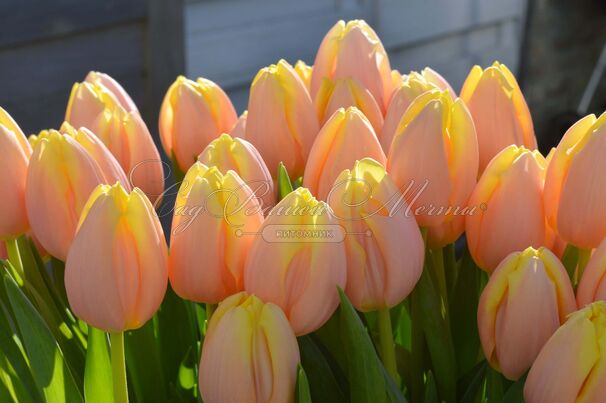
(239, 129)
(114, 88)
(592, 286)
(15, 154)
(192, 115)
(281, 122)
(344, 93)
(345, 138)
(434, 161)
(304, 71)
(214, 213)
(62, 174)
(105, 111)
(499, 111)
(575, 194)
(298, 274)
(526, 299)
(116, 269)
(354, 50)
(570, 367)
(232, 153)
(511, 189)
(250, 354)
(384, 251)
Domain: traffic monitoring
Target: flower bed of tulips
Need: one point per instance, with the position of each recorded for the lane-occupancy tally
(357, 235)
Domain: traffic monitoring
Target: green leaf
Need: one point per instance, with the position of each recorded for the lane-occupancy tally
(98, 384)
(50, 371)
(471, 383)
(284, 183)
(431, 390)
(365, 373)
(569, 260)
(515, 393)
(303, 395)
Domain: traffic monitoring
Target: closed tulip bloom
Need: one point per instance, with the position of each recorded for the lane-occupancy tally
(571, 367)
(384, 252)
(499, 111)
(304, 72)
(116, 90)
(15, 152)
(300, 277)
(433, 159)
(62, 174)
(575, 195)
(116, 270)
(592, 286)
(348, 136)
(281, 123)
(239, 128)
(353, 49)
(214, 213)
(511, 189)
(111, 118)
(343, 93)
(232, 153)
(526, 299)
(250, 354)
(192, 115)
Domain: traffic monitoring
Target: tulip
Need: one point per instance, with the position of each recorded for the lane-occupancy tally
(304, 72)
(592, 286)
(192, 115)
(14, 161)
(116, 269)
(250, 354)
(411, 86)
(354, 50)
(104, 111)
(384, 253)
(526, 299)
(229, 153)
(571, 365)
(3, 251)
(511, 189)
(433, 159)
(499, 111)
(343, 93)
(299, 276)
(239, 129)
(281, 122)
(114, 88)
(214, 213)
(575, 194)
(347, 136)
(62, 174)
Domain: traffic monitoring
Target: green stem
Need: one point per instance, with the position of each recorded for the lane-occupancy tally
(14, 256)
(118, 367)
(387, 344)
(440, 275)
(210, 309)
(584, 255)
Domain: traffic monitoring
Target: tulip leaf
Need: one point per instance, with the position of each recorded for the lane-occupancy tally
(50, 371)
(569, 260)
(98, 384)
(515, 393)
(323, 383)
(431, 389)
(284, 183)
(471, 383)
(303, 395)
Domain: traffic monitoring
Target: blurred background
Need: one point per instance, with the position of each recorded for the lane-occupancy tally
(552, 46)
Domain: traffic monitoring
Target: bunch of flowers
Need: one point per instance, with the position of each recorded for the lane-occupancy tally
(356, 235)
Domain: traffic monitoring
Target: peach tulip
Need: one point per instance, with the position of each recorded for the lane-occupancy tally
(353, 49)
(433, 159)
(192, 115)
(343, 93)
(571, 367)
(250, 354)
(104, 109)
(281, 122)
(513, 217)
(385, 252)
(592, 286)
(116, 90)
(297, 273)
(15, 152)
(575, 193)
(526, 299)
(499, 111)
(304, 72)
(214, 216)
(62, 174)
(116, 269)
(239, 155)
(346, 137)
(436, 79)
(239, 128)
